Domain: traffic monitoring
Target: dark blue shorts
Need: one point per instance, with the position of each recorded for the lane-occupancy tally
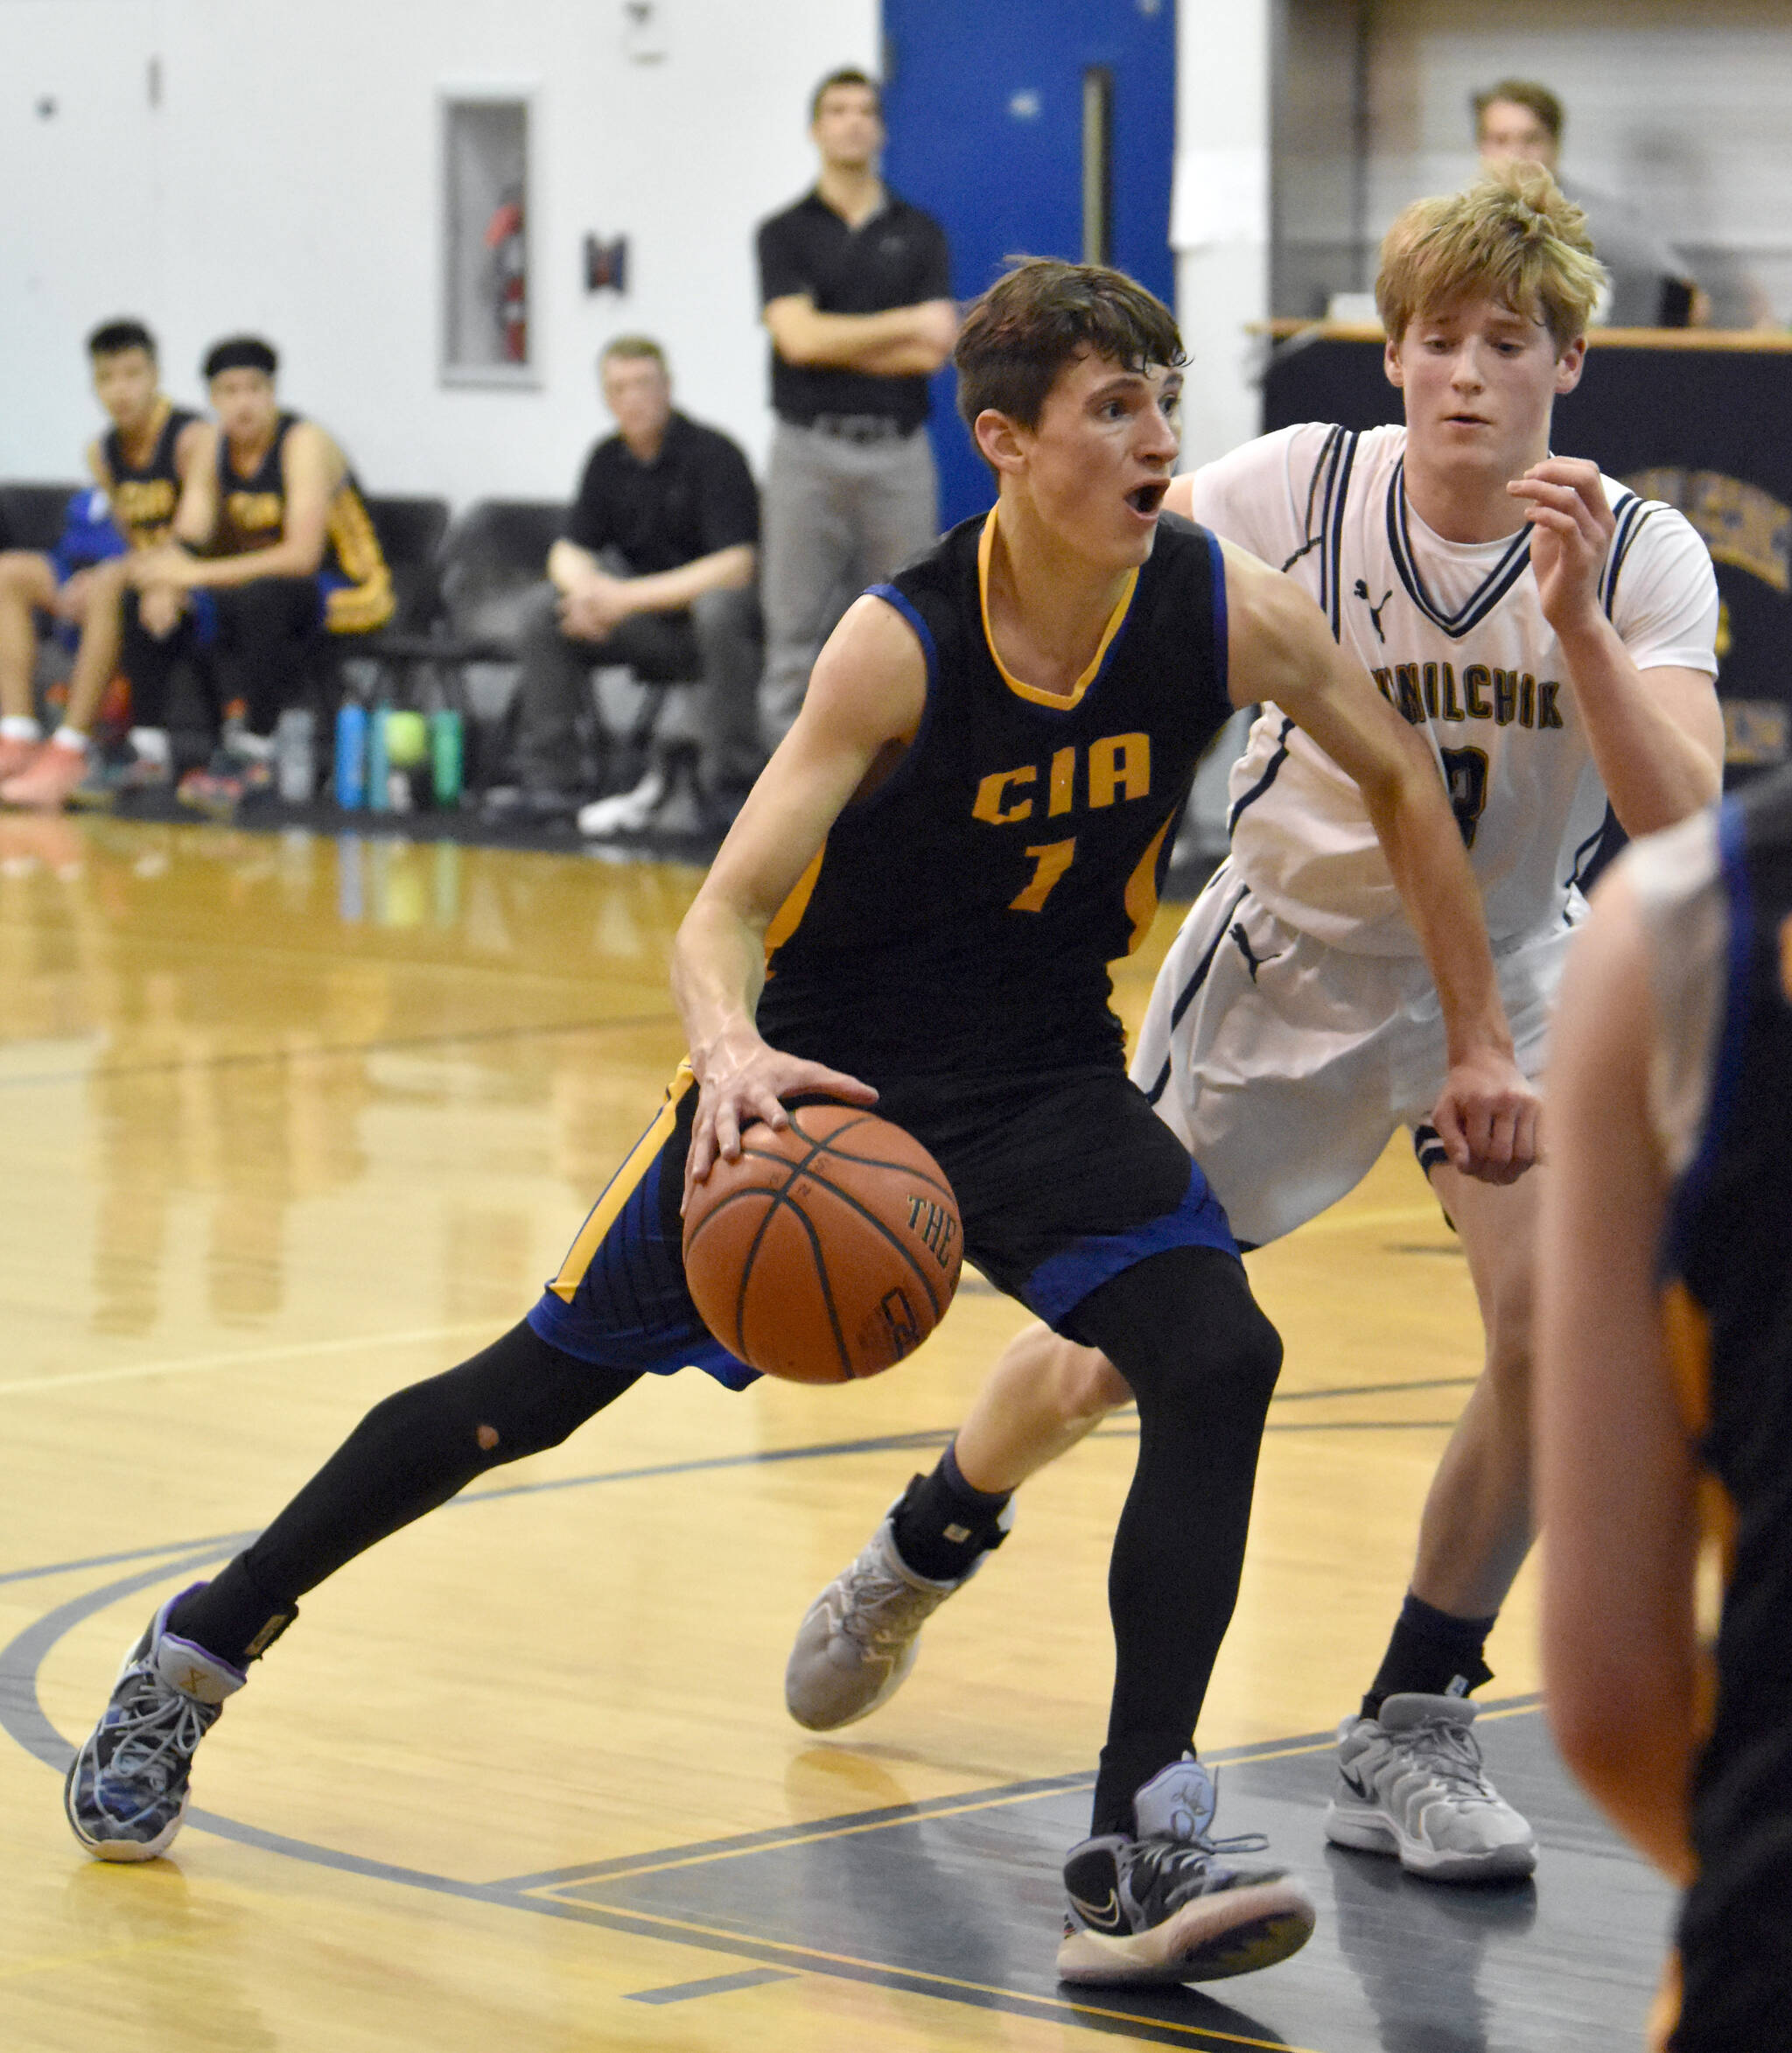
(1063, 1179)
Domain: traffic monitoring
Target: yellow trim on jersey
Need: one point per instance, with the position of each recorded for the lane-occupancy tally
(621, 1186)
(367, 602)
(1687, 1332)
(788, 916)
(1141, 899)
(986, 543)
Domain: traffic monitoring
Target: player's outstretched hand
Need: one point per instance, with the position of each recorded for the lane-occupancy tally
(1487, 1119)
(740, 1087)
(1571, 532)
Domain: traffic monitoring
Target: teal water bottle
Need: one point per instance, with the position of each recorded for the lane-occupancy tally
(379, 763)
(447, 755)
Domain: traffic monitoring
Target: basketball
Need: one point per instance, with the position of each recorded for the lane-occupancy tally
(829, 1250)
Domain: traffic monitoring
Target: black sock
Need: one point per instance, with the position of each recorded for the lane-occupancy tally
(1431, 1654)
(232, 1617)
(942, 1524)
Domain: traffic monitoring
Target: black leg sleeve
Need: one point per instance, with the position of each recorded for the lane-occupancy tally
(412, 1451)
(148, 663)
(1185, 1331)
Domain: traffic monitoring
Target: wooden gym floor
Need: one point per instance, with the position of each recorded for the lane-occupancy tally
(289, 1121)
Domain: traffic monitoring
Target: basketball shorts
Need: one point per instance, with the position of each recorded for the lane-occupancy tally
(1284, 1065)
(1063, 1180)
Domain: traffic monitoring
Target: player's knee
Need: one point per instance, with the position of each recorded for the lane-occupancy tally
(1089, 1386)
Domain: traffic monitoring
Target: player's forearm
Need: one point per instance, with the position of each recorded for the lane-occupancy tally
(845, 341)
(718, 969)
(670, 592)
(283, 559)
(1654, 770)
(1430, 871)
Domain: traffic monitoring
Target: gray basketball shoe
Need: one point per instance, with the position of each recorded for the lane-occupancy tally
(857, 1640)
(127, 1788)
(1166, 1907)
(1411, 1784)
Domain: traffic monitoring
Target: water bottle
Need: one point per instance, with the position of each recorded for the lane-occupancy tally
(295, 755)
(379, 764)
(447, 755)
(351, 754)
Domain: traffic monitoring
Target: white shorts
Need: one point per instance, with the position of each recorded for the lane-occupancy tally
(1284, 1064)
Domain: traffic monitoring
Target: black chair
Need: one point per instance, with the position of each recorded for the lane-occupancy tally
(411, 532)
(32, 515)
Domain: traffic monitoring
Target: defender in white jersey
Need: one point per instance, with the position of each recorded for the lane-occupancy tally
(1553, 637)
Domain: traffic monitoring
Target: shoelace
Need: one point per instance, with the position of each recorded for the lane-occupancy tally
(875, 1605)
(1448, 1751)
(157, 1729)
(1182, 1865)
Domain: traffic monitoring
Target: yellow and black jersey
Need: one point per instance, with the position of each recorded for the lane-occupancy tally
(962, 915)
(143, 496)
(252, 515)
(1728, 1267)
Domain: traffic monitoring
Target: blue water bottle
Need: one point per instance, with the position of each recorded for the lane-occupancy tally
(351, 754)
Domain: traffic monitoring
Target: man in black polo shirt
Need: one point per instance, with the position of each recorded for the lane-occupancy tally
(655, 570)
(856, 291)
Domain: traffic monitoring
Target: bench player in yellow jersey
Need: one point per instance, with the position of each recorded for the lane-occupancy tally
(272, 549)
(139, 466)
(1011, 725)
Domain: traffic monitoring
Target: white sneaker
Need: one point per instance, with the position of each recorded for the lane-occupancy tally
(1411, 1784)
(859, 1639)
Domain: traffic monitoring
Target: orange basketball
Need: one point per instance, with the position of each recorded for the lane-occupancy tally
(829, 1250)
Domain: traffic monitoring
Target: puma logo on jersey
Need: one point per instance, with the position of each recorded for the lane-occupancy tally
(1375, 610)
(1241, 941)
(1419, 692)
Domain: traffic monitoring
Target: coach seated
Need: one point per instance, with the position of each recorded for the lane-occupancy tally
(655, 570)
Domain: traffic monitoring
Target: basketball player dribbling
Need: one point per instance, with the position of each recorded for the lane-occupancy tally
(1550, 635)
(967, 823)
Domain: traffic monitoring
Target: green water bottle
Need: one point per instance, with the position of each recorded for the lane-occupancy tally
(447, 754)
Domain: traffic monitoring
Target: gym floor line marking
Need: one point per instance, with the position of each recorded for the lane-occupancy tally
(248, 1058)
(194, 1364)
(717, 1985)
(24, 1718)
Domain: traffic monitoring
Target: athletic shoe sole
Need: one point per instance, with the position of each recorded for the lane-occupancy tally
(1234, 1931)
(1375, 1832)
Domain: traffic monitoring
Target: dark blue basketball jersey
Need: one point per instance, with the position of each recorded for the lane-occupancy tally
(143, 496)
(1729, 1272)
(963, 916)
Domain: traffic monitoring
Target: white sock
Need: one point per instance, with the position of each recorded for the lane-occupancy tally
(20, 727)
(150, 743)
(70, 738)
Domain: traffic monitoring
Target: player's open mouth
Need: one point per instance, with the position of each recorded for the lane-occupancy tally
(1147, 498)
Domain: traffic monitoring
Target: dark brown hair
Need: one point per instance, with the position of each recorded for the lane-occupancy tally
(1043, 315)
(1525, 93)
(847, 75)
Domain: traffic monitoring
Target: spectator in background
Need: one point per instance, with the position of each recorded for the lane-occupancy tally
(1652, 286)
(655, 570)
(138, 467)
(856, 286)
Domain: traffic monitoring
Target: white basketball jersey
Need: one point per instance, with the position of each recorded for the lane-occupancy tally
(1455, 636)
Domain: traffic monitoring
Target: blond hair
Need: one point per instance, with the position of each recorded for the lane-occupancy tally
(1512, 236)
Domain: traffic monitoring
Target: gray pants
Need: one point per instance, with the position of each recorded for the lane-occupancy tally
(715, 647)
(837, 515)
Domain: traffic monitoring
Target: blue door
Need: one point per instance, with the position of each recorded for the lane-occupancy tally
(1036, 128)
